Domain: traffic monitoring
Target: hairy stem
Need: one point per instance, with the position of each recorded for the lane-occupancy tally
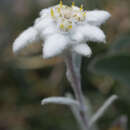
(74, 77)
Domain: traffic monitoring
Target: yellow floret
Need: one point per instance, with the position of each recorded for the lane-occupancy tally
(84, 14)
(73, 3)
(59, 10)
(61, 3)
(52, 12)
(81, 7)
(70, 27)
(61, 26)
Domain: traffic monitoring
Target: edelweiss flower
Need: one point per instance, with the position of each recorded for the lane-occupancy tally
(63, 28)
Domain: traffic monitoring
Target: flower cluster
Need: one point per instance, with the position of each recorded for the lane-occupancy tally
(63, 28)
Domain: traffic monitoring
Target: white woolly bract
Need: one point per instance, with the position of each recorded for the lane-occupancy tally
(97, 17)
(61, 28)
(60, 100)
(54, 45)
(88, 33)
(49, 30)
(29, 36)
(44, 12)
(83, 49)
(41, 23)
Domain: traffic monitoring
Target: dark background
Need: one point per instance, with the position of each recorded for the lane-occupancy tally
(26, 80)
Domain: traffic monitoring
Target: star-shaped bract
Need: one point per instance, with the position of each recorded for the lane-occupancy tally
(62, 28)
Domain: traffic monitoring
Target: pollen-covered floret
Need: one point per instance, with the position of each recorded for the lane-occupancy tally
(64, 28)
(66, 17)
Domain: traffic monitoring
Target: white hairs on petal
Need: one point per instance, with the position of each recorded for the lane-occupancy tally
(97, 17)
(50, 30)
(54, 45)
(44, 12)
(29, 36)
(89, 33)
(82, 49)
(41, 23)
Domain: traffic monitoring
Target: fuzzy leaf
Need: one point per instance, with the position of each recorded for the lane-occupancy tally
(59, 100)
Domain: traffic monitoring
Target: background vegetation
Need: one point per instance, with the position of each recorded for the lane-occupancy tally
(25, 80)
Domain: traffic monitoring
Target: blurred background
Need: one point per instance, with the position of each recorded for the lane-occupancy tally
(26, 79)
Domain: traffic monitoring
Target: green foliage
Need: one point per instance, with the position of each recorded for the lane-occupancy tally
(116, 63)
(121, 45)
(77, 2)
(117, 66)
